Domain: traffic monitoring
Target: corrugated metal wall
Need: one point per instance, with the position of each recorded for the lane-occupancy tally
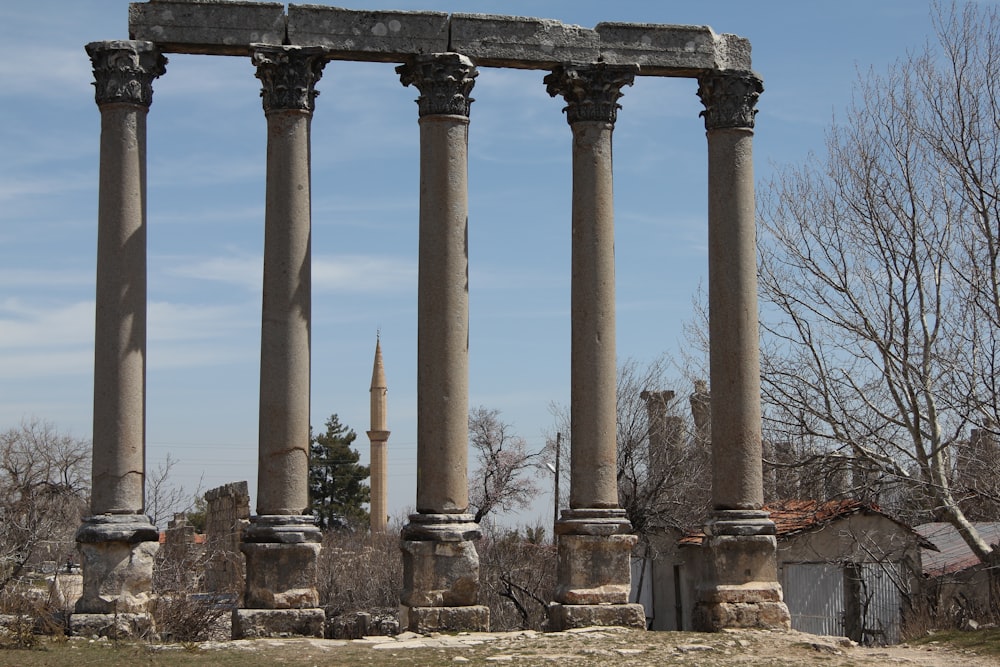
(814, 593)
(817, 598)
(881, 602)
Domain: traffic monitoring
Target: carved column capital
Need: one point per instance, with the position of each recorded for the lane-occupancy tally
(288, 75)
(729, 99)
(591, 91)
(445, 81)
(124, 71)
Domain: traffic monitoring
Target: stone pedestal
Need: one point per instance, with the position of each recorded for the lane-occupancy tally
(739, 587)
(260, 623)
(441, 575)
(281, 553)
(594, 574)
(117, 552)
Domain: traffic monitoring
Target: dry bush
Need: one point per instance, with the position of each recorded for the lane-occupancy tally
(181, 614)
(517, 576)
(360, 572)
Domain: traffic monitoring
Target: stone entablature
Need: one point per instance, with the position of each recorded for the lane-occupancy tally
(229, 28)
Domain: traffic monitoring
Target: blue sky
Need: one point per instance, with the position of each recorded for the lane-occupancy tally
(206, 146)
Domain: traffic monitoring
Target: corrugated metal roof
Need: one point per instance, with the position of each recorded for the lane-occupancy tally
(953, 554)
(796, 516)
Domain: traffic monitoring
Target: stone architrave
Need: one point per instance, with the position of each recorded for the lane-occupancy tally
(595, 538)
(740, 586)
(281, 544)
(440, 563)
(117, 542)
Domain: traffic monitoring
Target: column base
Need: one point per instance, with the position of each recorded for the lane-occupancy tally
(441, 572)
(281, 554)
(595, 548)
(740, 586)
(569, 616)
(117, 553)
(112, 626)
(260, 623)
(424, 620)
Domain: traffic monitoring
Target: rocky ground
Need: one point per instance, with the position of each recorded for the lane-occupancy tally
(589, 646)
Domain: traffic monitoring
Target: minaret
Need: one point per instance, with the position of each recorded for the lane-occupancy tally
(378, 435)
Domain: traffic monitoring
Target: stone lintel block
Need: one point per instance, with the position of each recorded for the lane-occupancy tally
(424, 620)
(439, 574)
(113, 626)
(671, 50)
(525, 43)
(380, 36)
(259, 623)
(569, 616)
(594, 569)
(281, 576)
(117, 577)
(216, 27)
(718, 616)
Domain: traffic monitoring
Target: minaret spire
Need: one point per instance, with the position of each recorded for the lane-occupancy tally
(378, 436)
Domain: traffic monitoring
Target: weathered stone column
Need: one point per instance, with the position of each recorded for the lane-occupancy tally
(740, 587)
(595, 538)
(281, 543)
(440, 563)
(117, 542)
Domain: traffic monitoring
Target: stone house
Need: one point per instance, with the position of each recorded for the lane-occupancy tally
(845, 569)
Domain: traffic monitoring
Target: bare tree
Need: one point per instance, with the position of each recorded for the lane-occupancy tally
(662, 460)
(43, 495)
(503, 478)
(879, 271)
(164, 499)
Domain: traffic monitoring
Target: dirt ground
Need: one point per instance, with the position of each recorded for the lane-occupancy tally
(588, 646)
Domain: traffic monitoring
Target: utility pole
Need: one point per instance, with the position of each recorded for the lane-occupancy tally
(555, 502)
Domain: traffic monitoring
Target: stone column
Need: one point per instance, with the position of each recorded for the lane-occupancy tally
(117, 542)
(440, 563)
(740, 587)
(595, 538)
(281, 543)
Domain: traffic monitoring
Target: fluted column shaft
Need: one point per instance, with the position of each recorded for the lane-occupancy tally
(288, 75)
(124, 72)
(445, 82)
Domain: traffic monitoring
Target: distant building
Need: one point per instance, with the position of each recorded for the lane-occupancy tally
(845, 569)
(956, 578)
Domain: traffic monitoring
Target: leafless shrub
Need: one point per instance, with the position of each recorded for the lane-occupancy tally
(360, 572)
(517, 575)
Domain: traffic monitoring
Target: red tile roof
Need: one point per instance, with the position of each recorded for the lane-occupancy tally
(952, 553)
(796, 516)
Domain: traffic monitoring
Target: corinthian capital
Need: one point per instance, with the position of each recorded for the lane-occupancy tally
(729, 99)
(591, 91)
(445, 81)
(124, 71)
(288, 75)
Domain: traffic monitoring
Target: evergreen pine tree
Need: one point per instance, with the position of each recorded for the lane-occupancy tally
(337, 487)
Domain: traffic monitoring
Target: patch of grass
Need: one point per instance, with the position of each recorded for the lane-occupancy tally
(983, 642)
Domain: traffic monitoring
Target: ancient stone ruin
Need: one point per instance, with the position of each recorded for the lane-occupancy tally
(440, 55)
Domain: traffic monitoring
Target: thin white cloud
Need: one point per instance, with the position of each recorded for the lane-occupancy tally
(47, 277)
(31, 326)
(330, 273)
